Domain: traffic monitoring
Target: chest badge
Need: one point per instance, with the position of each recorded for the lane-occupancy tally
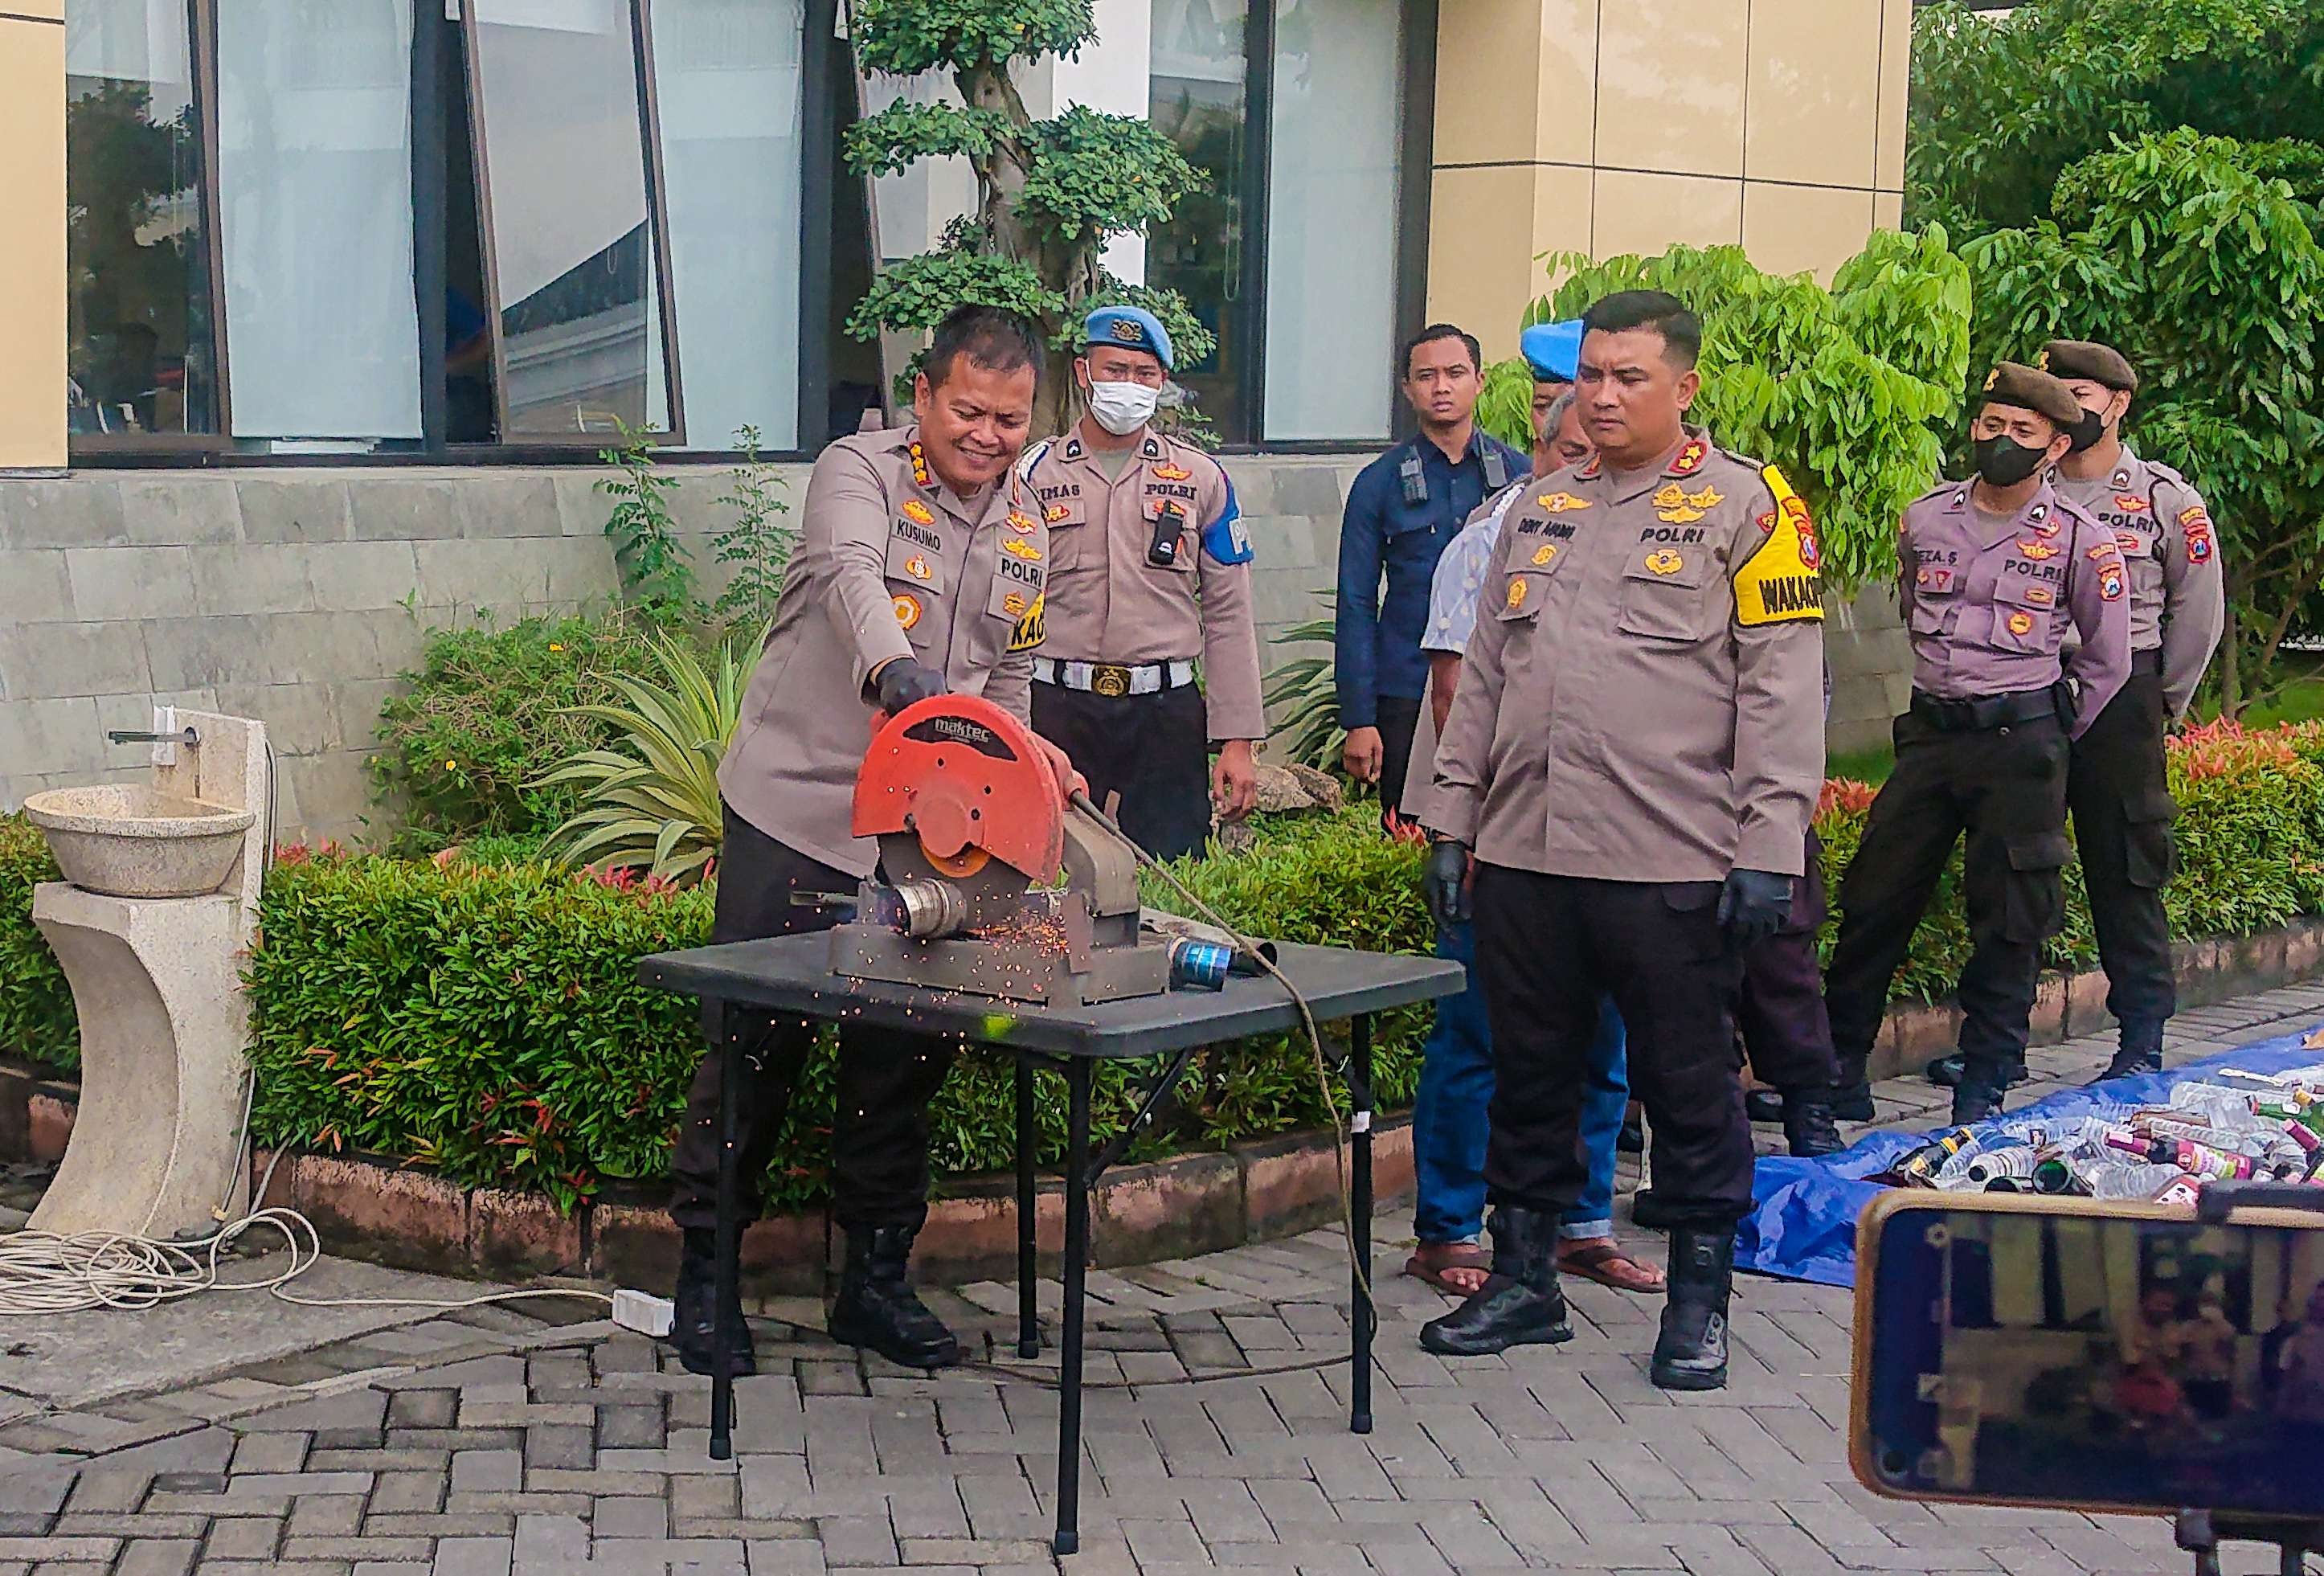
(2037, 551)
(1559, 502)
(1021, 522)
(1054, 512)
(1674, 505)
(1518, 591)
(2021, 623)
(907, 610)
(2041, 596)
(2130, 503)
(1167, 472)
(2128, 541)
(1935, 576)
(1014, 605)
(1663, 561)
(917, 569)
(1543, 554)
(1767, 523)
(1021, 549)
(917, 512)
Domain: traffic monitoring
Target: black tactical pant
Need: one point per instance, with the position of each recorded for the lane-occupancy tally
(2006, 786)
(2123, 811)
(1547, 948)
(1398, 720)
(1153, 750)
(1786, 1036)
(880, 1129)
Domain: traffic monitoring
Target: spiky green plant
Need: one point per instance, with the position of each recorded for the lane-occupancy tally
(651, 800)
(1302, 694)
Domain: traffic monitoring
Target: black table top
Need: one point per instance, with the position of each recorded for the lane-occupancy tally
(792, 973)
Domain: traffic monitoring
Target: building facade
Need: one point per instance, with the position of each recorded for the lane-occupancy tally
(316, 308)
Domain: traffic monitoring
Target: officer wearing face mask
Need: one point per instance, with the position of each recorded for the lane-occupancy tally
(1993, 574)
(1148, 572)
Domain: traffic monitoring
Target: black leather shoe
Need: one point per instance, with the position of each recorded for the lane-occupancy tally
(693, 1327)
(1945, 1071)
(1519, 1305)
(877, 1308)
(1632, 1138)
(1975, 1100)
(2141, 1051)
(1691, 1351)
(1808, 1127)
(1851, 1091)
(1763, 1106)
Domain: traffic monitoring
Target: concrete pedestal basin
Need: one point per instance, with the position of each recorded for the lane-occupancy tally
(127, 840)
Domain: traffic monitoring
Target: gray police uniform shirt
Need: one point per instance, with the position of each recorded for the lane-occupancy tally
(2177, 594)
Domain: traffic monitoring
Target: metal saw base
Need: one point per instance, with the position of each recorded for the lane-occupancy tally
(1009, 971)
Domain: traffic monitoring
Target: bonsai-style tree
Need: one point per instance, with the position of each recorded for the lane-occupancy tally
(1049, 192)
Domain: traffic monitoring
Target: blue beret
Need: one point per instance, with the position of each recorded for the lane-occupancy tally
(1554, 350)
(1130, 328)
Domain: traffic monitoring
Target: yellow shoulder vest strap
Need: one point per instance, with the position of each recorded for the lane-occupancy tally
(1778, 582)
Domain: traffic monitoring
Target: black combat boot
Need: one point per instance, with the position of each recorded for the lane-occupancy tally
(1691, 1352)
(1764, 1107)
(1945, 1071)
(1519, 1305)
(1851, 1091)
(1808, 1125)
(1976, 1097)
(694, 1328)
(877, 1308)
(2141, 1051)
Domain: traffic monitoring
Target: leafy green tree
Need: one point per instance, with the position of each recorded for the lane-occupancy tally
(1049, 192)
(1843, 388)
(2003, 105)
(2194, 257)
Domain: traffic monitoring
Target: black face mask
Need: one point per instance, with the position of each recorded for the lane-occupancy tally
(2004, 463)
(2092, 429)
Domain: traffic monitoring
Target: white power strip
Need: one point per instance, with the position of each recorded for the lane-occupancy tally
(642, 1312)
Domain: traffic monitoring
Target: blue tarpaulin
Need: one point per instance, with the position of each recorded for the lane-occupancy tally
(1803, 1222)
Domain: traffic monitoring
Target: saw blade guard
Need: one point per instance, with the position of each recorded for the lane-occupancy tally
(968, 781)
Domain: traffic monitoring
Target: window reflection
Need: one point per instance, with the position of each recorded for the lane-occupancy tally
(139, 356)
(1197, 101)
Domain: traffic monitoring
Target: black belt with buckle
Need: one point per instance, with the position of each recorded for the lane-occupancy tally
(2149, 661)
(1977, 714)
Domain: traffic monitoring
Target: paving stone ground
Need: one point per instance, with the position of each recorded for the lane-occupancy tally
(490, 1442)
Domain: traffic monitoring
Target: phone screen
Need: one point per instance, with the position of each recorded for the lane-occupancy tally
(2147, 1364)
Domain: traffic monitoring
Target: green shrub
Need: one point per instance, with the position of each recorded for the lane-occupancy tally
(487, 712)
(36, 1007)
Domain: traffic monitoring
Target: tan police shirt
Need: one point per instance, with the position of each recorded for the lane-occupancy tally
(1107, 603)
(1643, 699)
(890, 563)
(2178, 595)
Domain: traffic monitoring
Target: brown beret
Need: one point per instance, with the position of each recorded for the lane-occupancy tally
(2086, 358)
(2012, 383)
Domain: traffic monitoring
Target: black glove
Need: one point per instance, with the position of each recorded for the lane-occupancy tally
(905, 680)
(1754, 905)
(1444, 885)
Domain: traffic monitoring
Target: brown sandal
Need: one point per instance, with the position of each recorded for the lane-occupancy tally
(1601, 1261)
(1430, 1261)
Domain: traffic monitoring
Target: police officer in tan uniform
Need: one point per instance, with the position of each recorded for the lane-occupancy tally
(1993, 573)
(2115, 783)
(1149, 568)
(919, 571)
(1634, 749)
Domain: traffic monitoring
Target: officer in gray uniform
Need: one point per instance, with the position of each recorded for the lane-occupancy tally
(918, 572)
(2115, 783)
(1993, 573)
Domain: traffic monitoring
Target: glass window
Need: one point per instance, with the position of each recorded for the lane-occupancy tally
(727, 90)
(315, 217)
(571, 247)
(1198, 103)
(1332, 219)
(141, 356)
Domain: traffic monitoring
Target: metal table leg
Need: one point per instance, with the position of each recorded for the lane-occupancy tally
(728, 1046)
(1069, 1368)
(1028, 1322)
(1359, 1190)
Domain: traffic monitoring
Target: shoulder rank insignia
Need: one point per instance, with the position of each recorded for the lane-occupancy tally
(920, 466)
(1590, 467)
(1690, 457)
(917, 512)
(1029, 632)
(1556, 503)
(1778, 583)
(1167, 472)
(1020, 549)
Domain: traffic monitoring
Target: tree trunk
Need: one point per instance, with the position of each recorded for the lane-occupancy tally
(2231, 688)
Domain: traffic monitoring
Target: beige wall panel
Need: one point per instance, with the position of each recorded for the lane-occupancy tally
(1480, 251)
(1791, 229)
(1648, 214)
(1670, 86)
(32, 243)
(1562, 222)
(1488, 79)
(1814, 89)
(1887, 210)
(1567, 109)
(52, 10)
(1896, 82)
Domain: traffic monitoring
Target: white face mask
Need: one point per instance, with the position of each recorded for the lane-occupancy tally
(1122, 408)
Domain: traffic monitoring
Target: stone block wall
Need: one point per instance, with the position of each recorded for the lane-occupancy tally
(298, 595)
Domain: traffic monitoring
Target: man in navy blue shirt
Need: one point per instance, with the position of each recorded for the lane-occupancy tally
(1404, 508)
